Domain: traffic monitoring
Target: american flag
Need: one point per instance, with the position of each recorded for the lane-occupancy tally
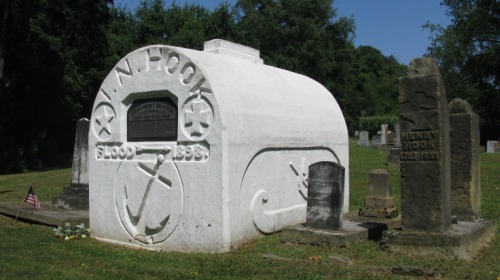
(31, 198)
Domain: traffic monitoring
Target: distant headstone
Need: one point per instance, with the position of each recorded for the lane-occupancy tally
(390, 138)
(383, 134)
(325, 196)
(397, 136)
(379, 203)
(363, 138)
(376, 139)
(76, 196)
(394, 155)
(356, 134)
(425, 155)
(465, 171)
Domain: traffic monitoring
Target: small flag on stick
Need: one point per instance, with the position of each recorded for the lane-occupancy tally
(31, 198)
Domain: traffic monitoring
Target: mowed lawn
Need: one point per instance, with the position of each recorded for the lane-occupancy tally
(32, 251)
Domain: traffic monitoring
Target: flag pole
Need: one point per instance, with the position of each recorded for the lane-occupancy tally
(21, 205)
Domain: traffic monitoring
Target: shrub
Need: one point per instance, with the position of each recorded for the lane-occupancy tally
(372, 123)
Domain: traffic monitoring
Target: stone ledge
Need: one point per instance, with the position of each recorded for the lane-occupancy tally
(299, 234)
(48, 214)
(464, 240)
(351, 232)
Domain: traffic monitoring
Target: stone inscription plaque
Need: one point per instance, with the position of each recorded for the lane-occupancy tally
(152, 120)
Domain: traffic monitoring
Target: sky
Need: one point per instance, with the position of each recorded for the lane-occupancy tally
(392, 26)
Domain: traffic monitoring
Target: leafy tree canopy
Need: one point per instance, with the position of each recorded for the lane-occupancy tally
(468, 51)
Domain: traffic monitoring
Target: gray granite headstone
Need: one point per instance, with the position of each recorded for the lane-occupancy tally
(356, 134)
(425, 154)
(465, 170)
(363, 138)
(379, 203)
(76, 196)
(325, 195)
(397, 136)
(496, 147)
(376, 141)
(390, 138)
(490, 146)
(383, 134)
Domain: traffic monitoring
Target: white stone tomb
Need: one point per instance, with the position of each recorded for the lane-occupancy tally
(205, 150)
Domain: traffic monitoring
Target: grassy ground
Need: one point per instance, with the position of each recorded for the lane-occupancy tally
(32, 251)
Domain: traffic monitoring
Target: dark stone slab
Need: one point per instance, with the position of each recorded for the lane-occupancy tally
(463, 240)
(325, 195)
(351, 232)
(47, 214)
(425, 150)
(465, 169)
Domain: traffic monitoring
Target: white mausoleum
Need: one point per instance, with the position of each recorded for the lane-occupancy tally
(204, 150)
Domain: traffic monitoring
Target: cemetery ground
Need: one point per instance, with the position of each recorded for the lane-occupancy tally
(33, 251)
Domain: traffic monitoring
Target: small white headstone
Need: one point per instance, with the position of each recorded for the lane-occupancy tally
(490, 146)
(363, 138)
(383, 134)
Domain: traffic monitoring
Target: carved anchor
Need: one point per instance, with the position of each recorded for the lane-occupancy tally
(302, 180)
(139, 221)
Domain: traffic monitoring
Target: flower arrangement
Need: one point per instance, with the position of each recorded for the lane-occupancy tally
(68, 232)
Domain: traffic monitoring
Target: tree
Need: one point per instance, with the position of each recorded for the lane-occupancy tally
(52, 55)
(468, 52)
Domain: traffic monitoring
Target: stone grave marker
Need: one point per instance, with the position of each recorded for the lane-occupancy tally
(376, 139)
(397, 136)
(427, 227)
(465, 169)
(206, 150)
(325, 196)
(379, 203)
(490, 146)
(363, 138)
(425, 154)
(390, 139)
(356, 134)
(383, 134)
(76, 195)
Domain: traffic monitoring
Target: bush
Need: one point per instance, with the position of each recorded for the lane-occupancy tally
(372, 123)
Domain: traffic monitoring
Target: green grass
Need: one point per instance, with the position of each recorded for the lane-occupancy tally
(32, 251)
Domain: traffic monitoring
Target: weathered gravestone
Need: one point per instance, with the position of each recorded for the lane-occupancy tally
(363, 138)
(205, 150)
(465, 170)
(376, 139)
(492, 146)
(325, 196)
(384, 130)
(379, 203)
(76, 195)
(427, 227)
(425, 154)
(397, 136)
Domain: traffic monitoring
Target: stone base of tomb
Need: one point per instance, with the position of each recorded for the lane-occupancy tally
(363, 228)
(72, 198)
(464, 240)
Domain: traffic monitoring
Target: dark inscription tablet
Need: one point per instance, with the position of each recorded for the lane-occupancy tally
(152, 120)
